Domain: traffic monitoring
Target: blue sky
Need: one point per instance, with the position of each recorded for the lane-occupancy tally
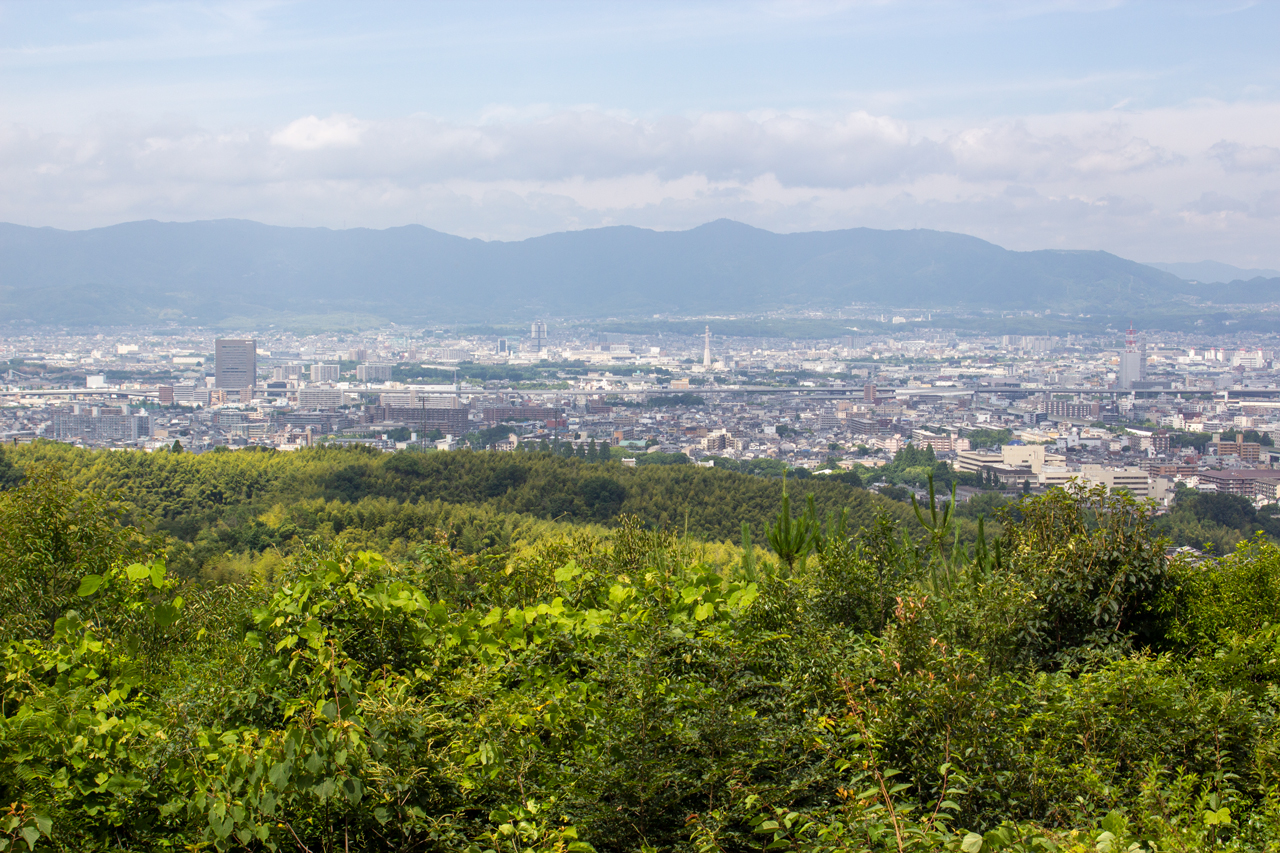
(1147, 129)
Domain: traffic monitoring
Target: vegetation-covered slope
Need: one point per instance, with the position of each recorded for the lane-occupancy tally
(248, 501)
(1066, 686)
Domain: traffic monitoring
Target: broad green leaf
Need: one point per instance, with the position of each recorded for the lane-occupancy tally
(972, 843)
(89, 585)
(157, 574)
(137, 571)
(166, 615)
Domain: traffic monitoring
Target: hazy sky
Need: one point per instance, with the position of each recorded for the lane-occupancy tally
(1147, 129)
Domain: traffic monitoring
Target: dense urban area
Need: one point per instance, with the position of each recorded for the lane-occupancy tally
(1146, 412)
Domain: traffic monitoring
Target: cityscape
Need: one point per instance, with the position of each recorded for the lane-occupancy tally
(821, 426)
(1148, 412)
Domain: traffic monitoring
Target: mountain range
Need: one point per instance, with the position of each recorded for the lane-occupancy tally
(1214, 272)
(213, 271)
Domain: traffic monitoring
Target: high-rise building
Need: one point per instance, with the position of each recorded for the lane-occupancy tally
(373, 372)
(538, 336)
(236, 364)
(286, 372)
(706, 349)
(1133, 361)
(324, 372)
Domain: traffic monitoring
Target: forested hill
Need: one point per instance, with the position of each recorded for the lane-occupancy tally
(1063, 686)
(211, 271)
(248, 501)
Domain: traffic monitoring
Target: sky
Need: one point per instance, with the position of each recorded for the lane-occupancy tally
(1151, 130)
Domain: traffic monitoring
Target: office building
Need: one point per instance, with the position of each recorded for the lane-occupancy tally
(538, 336)
(236, 364)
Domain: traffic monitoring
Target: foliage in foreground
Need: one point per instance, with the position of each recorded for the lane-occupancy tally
(1063, 687)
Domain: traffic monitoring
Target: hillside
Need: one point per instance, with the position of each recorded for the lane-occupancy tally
(375, 679)
(212, 271)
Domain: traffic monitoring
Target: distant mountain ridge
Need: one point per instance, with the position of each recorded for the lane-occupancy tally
(1214, 272)
(213, 270)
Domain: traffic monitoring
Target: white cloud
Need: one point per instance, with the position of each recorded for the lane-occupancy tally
(311, 133)
(1153, 185)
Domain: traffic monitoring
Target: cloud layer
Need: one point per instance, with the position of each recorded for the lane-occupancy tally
(1197, 182)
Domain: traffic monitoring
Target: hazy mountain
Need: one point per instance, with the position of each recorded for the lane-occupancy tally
(209, 271)
(1214, 272)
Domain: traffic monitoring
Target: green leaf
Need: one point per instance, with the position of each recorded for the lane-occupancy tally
(157, 574)
(972, 843)
(137, 571)
(89, 585)
(166, 615)
(1115, 823)
(31, 835)
(567, 572)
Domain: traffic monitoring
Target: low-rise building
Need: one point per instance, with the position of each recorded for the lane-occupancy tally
(1248, 451)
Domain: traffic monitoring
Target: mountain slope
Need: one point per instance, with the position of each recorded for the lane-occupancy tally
(1213, 272)
(208, 271)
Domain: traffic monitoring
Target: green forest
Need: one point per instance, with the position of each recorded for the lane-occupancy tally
(342, 650)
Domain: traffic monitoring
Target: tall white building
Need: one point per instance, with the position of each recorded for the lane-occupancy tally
(1133, 361)
(706, 349)
(324, 373)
